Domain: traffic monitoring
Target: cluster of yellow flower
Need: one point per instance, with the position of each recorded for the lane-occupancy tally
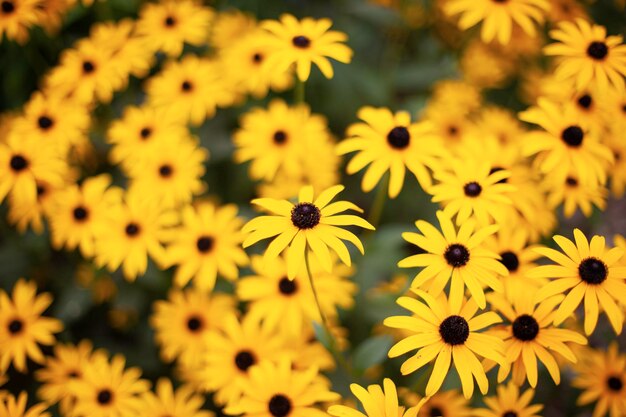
(480, 301)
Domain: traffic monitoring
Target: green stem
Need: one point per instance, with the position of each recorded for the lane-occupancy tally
(379, 202)
(332, 345)
(298, 92)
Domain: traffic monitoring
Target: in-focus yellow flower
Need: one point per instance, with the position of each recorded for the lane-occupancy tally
(602, 375)
(308, 226)
(377, 402)
(276, 390)
(207, 242)
(509, 402)
(586, 270)
(499, 17)
(587, 56)
(459, 256)
(168, 25)
(445, 334)
(305, 42)
(22, 328)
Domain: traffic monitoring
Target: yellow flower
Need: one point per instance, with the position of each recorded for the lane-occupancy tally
(586, 270)
(276, 390)
(22, 328)
(165, 401)
(16, 18)
(509, 402)
(304, 42)
(587, 56)
(377, 402)
(531, 336)
(24, 213)
(498, 17)
(446, 334)
(288, 305)
(207, 242)
(446, 404)
(456, 255)
(12, 407)
(309, 225)
(168, 25)
(575, 194)
(390, 142)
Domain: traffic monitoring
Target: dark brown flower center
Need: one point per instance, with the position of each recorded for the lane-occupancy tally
(399, 137)
(88, 67)
(301, 41)
(615, 383)
(305, 216)
(15, 326)
(145, 133)
(571, 182)
(573, 136)
(105, 396)
(18, 163)
(45, 122)
(7, 7)
(287, 286)
(509, 414)
(279, 406)
(186, 86)
(194, 323)
(204, 244)
(456, 255)
(132, 229)
(280, 137)
(585, 101)
(244, 359)
(165, 171)
(472, 189)
(454, 330)
(80, 213)
(592, 271)
(597, 50)
(435, 412)
(257, 58)
(510, 261)
(525, 328)
(170, 21)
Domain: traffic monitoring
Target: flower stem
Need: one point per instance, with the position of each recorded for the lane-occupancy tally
(332, 344)
(298, 92)
(378, 205)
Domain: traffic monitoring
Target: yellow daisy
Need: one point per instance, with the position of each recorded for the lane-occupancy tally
(587, 56)
(459, 256)
(586, 270)
(446, 334)
(574, 194)
(182, 321)
(24, 214)
(499, 17)
(10, 406)
(509, 403)
(288, 305)
(390, 142)
(208, 242)
(22, 328)
(304, 42)
(17, 17)
(169, 25)
(308, 226)
(165, 401)
(276, 390)
(531, 335)
(377, 402)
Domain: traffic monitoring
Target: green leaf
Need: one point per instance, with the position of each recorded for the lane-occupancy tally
(372, 352)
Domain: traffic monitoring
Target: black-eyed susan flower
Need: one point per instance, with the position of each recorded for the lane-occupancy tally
(276, 390)
(22, 327)
(530, 335)
(16, 18)
(565, 144)
(24, 162)
(108, 389)
(231, 351)
(139, 129)
(191, 88)
(135, 230)
(574, 194)
(308, 226)
(446, 334)
(509, 402)
(59, 370)
(601, 374)
(391, 142)
(587, 56)
(305, 42)
(167, 401)
(207, 243)
(24, 213)
(586, 270)
(470, 187)
(288, 305)
(499, 17)
(182, 321)
(278, 138)
(449, 123)
(78, 212)
(169, 25)
(377, 402)
(171, 172)
(459, 256)
(11, 406)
